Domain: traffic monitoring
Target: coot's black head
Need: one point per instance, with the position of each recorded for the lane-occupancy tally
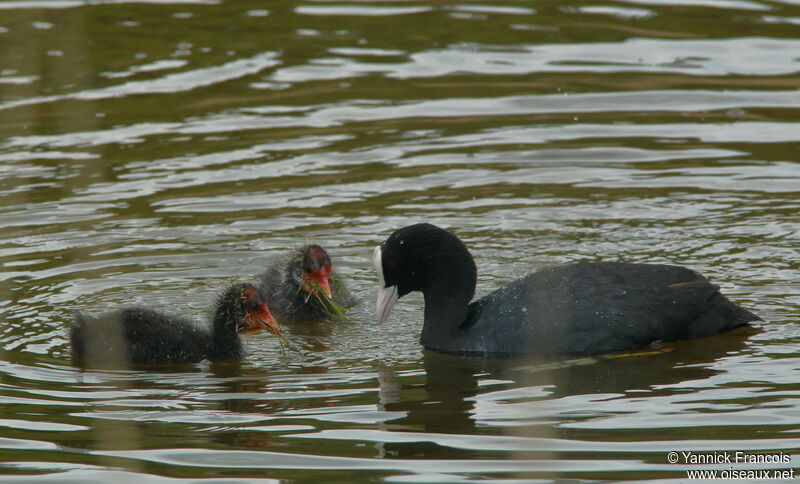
(310, 269)
(422, 257)
(242, 305)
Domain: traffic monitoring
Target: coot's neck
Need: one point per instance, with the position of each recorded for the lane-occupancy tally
(448, 284)
(225, 341)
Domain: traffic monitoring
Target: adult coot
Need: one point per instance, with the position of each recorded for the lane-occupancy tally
(143, 335)
(301, 286)
(584, 308)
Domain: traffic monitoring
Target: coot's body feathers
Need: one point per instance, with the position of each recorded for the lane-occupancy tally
(583, 308)
(141, 335)
(289, 299)
(595, 308)
(134, 335)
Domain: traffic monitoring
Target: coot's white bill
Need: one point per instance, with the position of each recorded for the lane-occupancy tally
(387, 296)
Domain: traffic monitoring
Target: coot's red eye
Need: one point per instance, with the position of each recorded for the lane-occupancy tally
(251, 293)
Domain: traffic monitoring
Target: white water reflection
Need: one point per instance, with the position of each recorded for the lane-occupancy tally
(172, 83)
(741, 56)
(60, 4)
(361, 111)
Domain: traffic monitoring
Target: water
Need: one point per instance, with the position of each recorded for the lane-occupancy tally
(152, 151)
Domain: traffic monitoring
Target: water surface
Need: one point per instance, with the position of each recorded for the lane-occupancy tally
(152, 151)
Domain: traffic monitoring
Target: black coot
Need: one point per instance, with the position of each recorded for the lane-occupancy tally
(584, 308)
(301, 286)
(143, 335)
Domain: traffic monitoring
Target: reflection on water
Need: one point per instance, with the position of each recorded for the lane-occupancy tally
(150, 152)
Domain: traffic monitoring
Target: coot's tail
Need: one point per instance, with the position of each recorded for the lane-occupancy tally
(722, 315)
(76, 334)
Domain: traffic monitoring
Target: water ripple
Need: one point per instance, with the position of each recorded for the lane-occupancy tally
(152, 154)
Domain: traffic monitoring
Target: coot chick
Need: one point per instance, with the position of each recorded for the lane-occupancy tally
(141, 335)
(583, 308)
(301, 286)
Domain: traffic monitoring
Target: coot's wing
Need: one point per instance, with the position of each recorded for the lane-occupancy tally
(619, 306)
(595, 308)
(156, 337)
